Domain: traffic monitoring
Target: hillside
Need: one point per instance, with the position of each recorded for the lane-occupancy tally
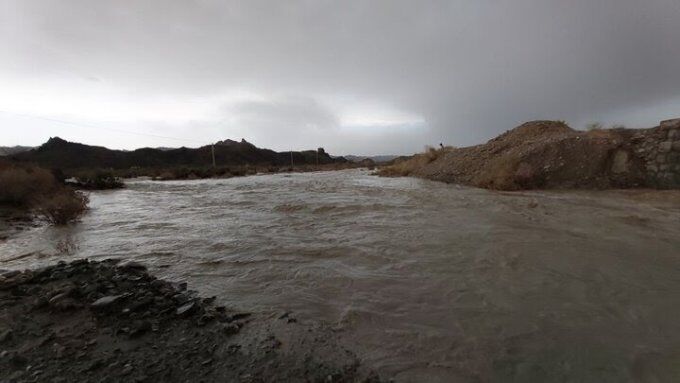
(10, 150)
(377, 159)
(58, 153)
(551, 155)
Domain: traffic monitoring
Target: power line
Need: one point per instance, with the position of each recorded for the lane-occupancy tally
(100, 128)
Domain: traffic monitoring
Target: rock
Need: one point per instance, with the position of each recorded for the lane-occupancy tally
(58, 297)
(6, 335)
(185, 309)
(105, 301)
(18, 359)
(140, 327)
(127, 369)
(142, 303)
(205, 319)
(676, 146)
(670, 124)
(10, 273)
(620, 162)
(665, 146)
(239, 316)
(231, 328)
(130, 264)
(95, 364)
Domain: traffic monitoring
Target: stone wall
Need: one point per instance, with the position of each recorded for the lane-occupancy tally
(659, 148)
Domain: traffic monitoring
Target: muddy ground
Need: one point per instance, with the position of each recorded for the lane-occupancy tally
(108, 322)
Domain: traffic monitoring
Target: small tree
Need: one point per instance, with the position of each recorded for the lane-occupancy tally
(63, 207)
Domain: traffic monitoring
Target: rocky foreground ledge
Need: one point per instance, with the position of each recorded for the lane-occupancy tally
(108, 322)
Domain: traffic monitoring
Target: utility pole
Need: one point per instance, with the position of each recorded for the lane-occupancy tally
(213, 155)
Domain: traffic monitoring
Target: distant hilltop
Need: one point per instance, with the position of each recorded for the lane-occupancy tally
(377, 159)
(10, 150)
(551, 155)
(61, 154)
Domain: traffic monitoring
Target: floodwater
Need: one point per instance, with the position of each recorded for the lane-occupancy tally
(425, 281)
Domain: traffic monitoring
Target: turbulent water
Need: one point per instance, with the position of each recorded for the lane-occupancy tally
(425, 281)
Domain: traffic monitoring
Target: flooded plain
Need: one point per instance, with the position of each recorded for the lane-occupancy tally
(425, 281)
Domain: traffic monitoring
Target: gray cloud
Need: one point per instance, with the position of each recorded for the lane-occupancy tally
(468, 70)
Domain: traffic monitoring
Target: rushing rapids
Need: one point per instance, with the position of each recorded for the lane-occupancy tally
(426, 281)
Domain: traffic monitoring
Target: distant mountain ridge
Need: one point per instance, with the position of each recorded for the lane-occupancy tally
(376, 159)
(62, 154)
(10, 150)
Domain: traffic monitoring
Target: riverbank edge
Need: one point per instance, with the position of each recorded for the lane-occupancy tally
(111, 320)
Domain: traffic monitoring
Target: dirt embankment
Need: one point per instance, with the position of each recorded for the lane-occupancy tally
(107, 322)
(551, 155)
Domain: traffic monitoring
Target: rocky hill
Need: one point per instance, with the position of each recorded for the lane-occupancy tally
(551, 155)
(61, 154)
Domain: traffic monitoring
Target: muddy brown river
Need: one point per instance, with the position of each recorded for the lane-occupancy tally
(425, 281)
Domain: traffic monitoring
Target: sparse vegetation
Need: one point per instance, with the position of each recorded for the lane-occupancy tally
(23, 186)
(63, 207)
(405, 166)
(534, 155)
(36, 189)
(594, 126)
(98, 180)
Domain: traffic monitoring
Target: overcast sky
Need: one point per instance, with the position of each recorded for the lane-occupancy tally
(356, 77)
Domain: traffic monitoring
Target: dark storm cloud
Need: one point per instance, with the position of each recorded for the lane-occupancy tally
(463, 70)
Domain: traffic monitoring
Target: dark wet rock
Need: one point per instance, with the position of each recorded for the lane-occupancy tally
(105, 301)
(130, 264)
(231, 328)
(140, 327)
(5, 336)
(185, 309)
(9, 273)
(238, 316)
(99, 321)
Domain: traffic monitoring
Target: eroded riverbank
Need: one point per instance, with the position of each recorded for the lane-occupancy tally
(423, 280)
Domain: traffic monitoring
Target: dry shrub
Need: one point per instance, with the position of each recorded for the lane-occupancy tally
(408, 166)
(498, 175)
(594, 126)
(63, 207)
(23, 186)
(600, 133)
(430, 154)
(31, 187)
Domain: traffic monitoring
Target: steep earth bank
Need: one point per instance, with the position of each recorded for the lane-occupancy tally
(551, 155)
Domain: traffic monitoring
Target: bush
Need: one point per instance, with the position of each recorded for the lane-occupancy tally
(33, 188)
(99, 180)
(63, 207)
(23, 186)
(405, 167)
